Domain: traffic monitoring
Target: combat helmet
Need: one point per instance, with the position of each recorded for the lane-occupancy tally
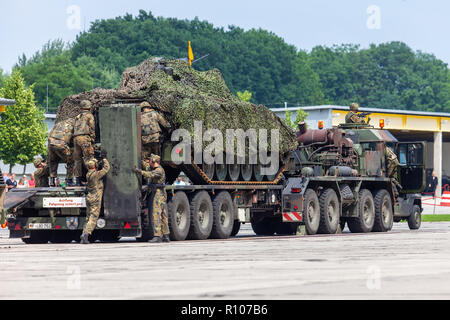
(145, 105)
(86, 105)
(37, 162)
(92, 163)
(354, 107)
(155, 158)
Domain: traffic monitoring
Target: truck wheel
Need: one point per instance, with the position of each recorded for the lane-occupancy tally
(329, 212)
(366, 214)
(384, 216)
(311, 212)
(223, 209)
(38, 237)
(236, 228)
(415, 219)
(179, 216)
(264, 227)
(201, 216)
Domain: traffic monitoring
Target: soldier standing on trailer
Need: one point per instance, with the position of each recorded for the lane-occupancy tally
(41, 174)
(151, 122)
(159, 211)
(94, 196)
(59, 141)
(84, 138)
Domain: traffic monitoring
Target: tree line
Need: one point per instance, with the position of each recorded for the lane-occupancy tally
(389, 75)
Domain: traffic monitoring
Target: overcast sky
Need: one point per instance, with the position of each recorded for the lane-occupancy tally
(25, 25)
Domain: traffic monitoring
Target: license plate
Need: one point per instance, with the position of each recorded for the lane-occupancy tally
(40, 226)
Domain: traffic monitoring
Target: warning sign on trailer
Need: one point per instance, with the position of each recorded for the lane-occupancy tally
(64, 203)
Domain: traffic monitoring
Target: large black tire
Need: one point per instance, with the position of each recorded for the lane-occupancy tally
(179, 215)
(223, 210)
(415, 219)
(384, 215)
(201, 216)
(311, 212)
(366, 214)
(38, 237)
(264, 226)
(236, 228)
(329, 212)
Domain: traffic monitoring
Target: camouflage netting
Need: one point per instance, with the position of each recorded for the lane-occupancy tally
(185, 95)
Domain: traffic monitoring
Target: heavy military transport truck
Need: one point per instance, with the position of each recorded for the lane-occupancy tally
(334, 177)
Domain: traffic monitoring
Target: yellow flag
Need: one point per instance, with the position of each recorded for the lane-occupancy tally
(191, 55)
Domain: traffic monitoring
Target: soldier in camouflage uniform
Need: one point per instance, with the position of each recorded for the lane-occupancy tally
(159, 211)
(392, 164)
(59, 141)
(41, 174)
(352, 116)
(84, 138)
(151, 122)
(94, 196)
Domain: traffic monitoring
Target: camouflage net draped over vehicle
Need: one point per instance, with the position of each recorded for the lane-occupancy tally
(185, 95)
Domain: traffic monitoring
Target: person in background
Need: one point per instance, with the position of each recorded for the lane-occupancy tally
(32, 182)
(434, 183)
(21, 184)
(180, 182)
(12, 183)
(58, 182)
(5, 176)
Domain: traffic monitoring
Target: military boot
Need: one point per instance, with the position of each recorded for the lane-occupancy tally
(156, 240)
(166, 238)
(84, 238)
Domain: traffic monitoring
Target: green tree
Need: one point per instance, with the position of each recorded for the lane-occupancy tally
(2, 78)
(23, 133)
(301, 117)
(245, 96)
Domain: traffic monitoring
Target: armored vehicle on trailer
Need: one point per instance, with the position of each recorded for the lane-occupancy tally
(334, 177)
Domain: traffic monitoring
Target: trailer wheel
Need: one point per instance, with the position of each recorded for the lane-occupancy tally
(366, 214)
(236, 228)
(329, 212)
(179, 216)
(311, 212)
(384, 216)
(223, 209)
(201, 216)
(38, 237)
(264, 226)
(415, 219)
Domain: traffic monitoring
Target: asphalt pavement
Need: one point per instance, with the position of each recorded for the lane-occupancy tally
(401, 264)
